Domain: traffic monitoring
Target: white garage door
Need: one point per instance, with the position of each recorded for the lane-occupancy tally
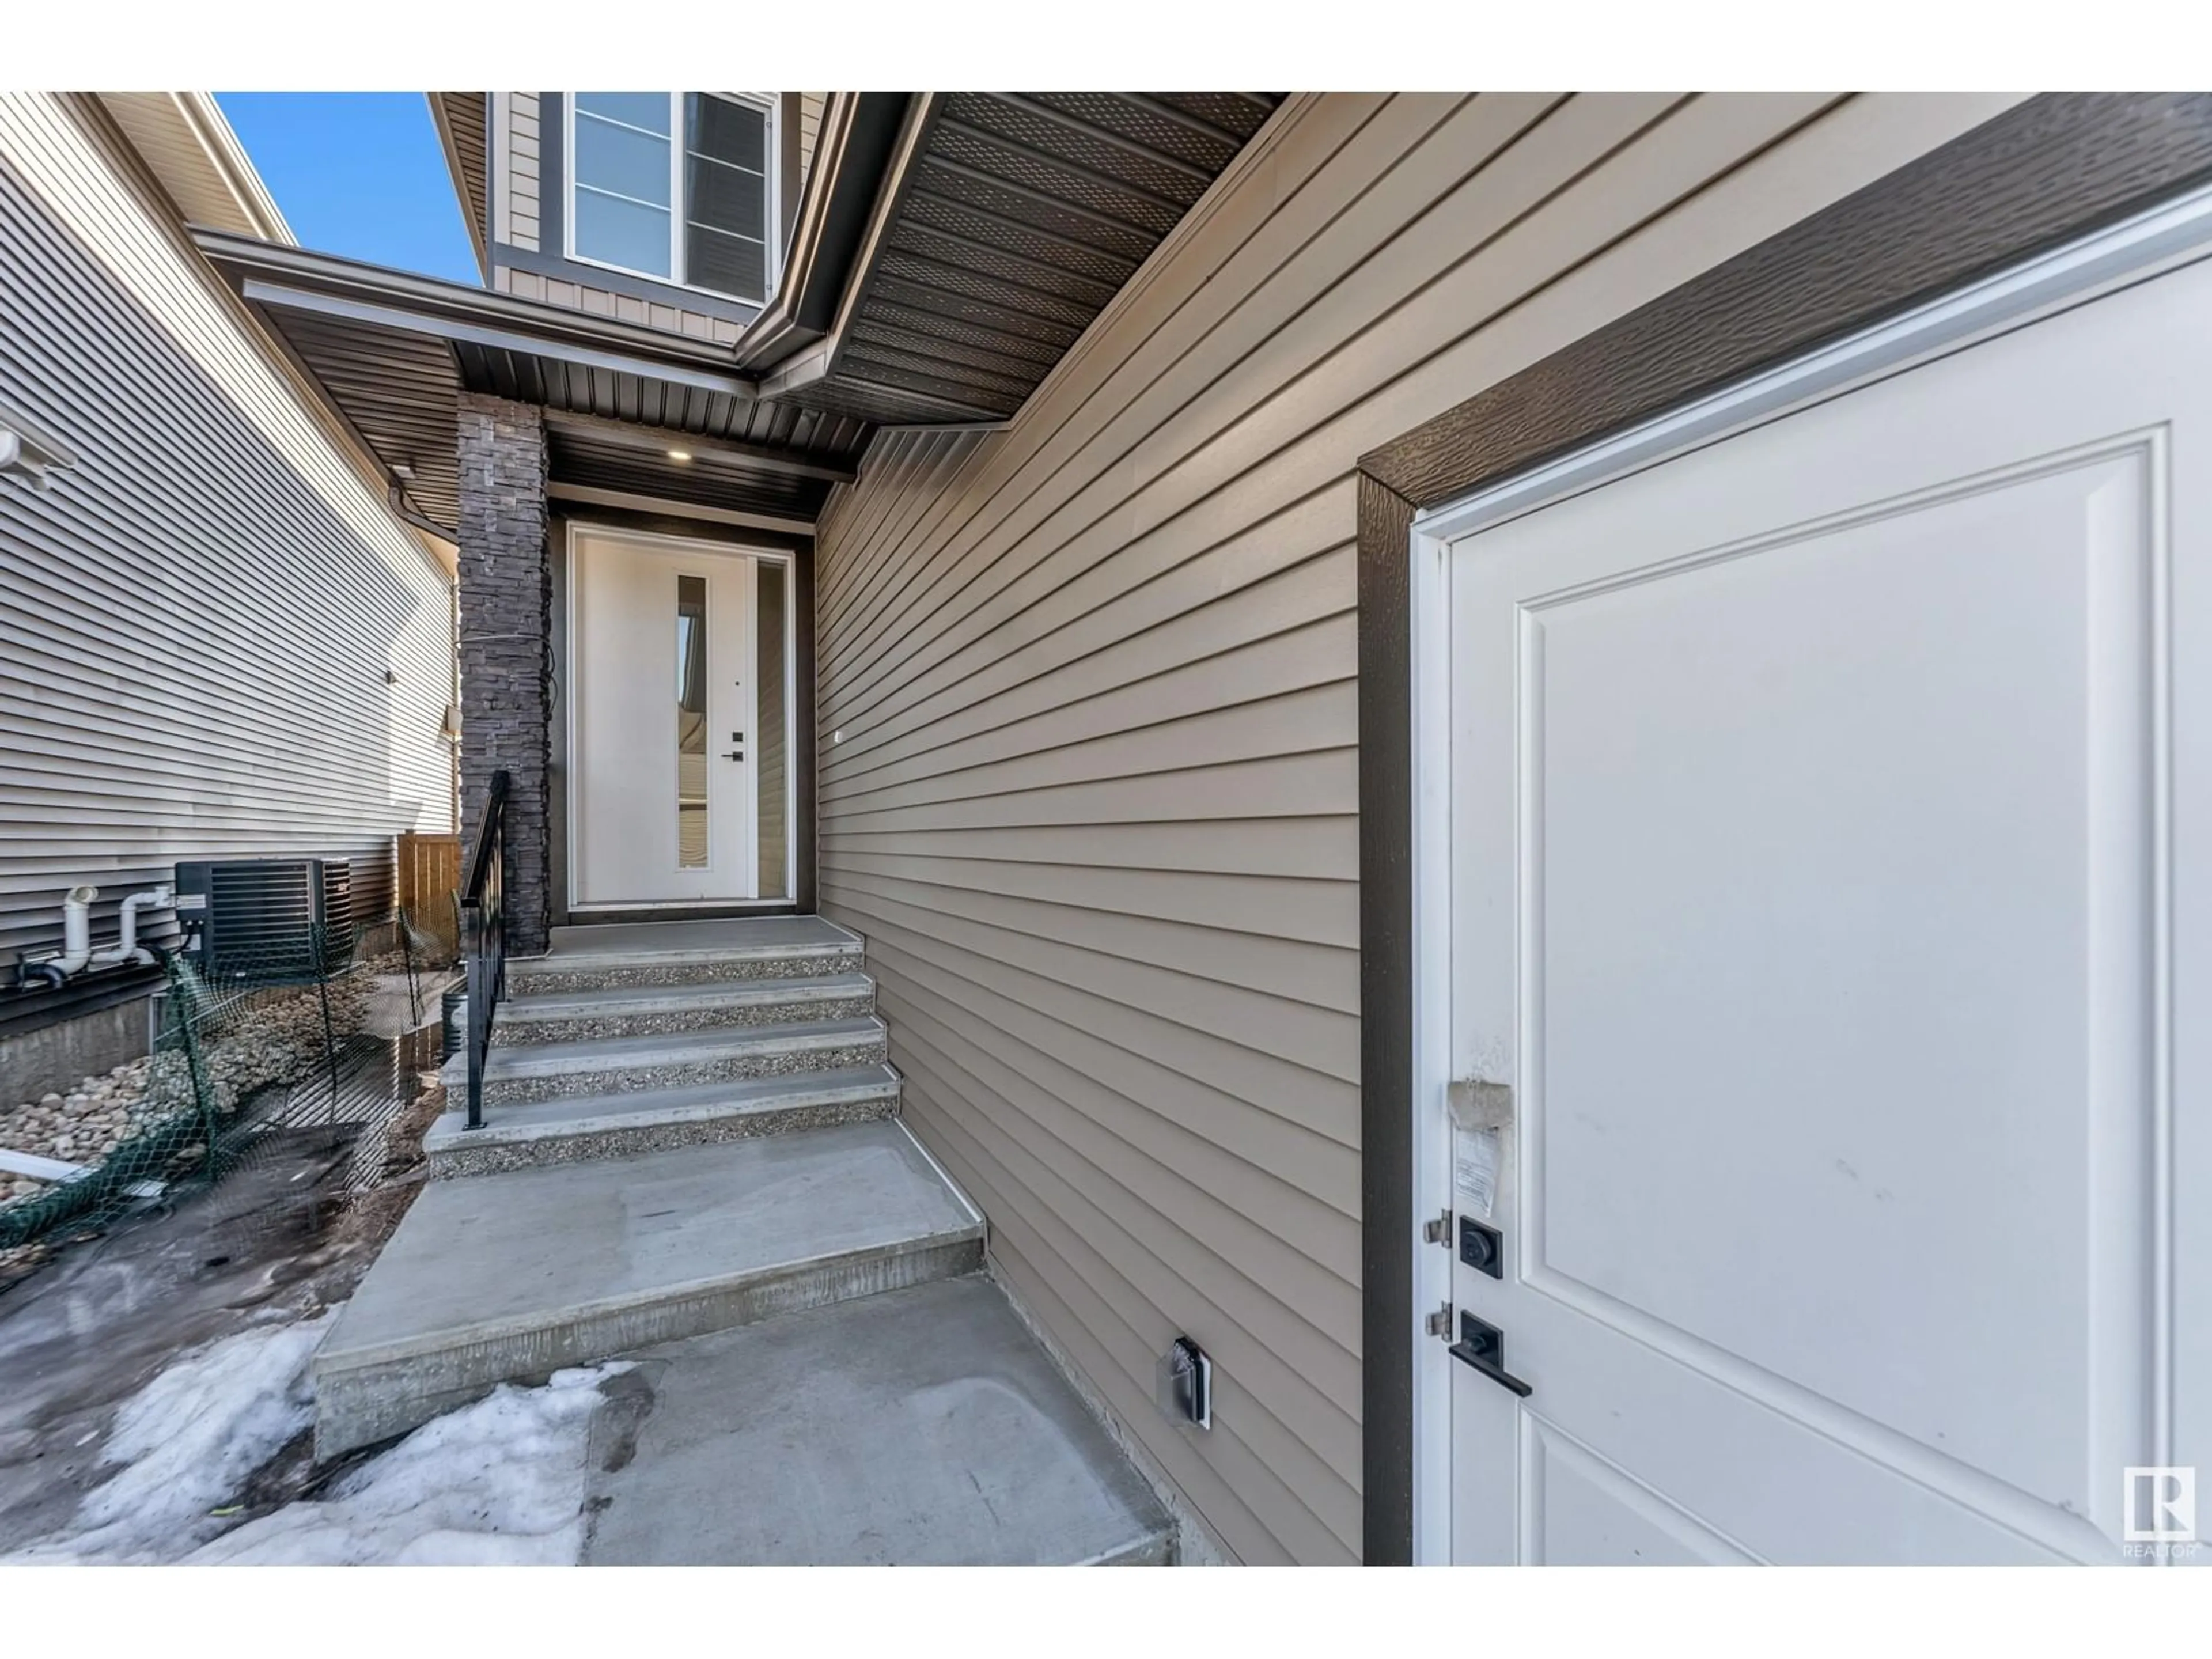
(1829, 837)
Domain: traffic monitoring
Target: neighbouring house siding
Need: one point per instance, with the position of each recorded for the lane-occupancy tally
(1094, 804)
(197, 618)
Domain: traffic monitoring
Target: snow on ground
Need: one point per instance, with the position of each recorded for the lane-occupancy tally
(500, 1481)
(187, 1441)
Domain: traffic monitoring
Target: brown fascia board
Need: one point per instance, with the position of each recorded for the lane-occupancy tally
(473, 211)
(853, 154)
(269, 274)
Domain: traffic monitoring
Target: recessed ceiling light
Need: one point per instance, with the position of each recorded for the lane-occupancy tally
(679, 454)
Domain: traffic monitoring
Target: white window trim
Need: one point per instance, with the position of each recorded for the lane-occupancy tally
(771, 107)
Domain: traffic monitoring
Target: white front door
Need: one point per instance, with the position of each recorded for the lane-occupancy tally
(663, 729)
(1830, 847)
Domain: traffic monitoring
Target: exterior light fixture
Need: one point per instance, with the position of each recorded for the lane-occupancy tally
(679, 454)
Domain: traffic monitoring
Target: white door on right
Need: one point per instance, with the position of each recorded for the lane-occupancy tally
(1832, 829)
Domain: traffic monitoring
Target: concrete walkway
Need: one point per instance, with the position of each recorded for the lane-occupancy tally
(691, 1161)
(924, 1427)
(519, 1274)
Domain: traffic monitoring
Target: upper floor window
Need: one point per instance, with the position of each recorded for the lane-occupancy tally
(678, 185)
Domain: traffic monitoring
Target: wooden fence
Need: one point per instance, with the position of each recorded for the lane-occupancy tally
(430, 880)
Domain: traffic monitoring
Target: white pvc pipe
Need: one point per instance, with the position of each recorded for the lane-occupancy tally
(127, 948)
(76, 930)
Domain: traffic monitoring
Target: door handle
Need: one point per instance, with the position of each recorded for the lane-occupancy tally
(1483, 1347)
(733, 754)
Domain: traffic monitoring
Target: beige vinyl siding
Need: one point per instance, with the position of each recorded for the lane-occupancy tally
(582, 296)
(810, 128)
(196, 619)
(516, 214)
(1093, 801)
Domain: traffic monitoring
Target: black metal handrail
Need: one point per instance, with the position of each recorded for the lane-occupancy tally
(483, 916)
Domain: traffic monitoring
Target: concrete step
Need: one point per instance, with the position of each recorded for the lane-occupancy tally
(607, 1065)
(925, 1427)
(657, 1010)
(624, 1125)
(517, 1275)
(601, 956)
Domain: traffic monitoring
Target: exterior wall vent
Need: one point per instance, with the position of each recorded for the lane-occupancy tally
(272, 922)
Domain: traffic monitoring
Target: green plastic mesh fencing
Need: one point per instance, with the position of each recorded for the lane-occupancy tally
(304, 1032)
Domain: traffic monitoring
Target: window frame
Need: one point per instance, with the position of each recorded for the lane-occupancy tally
(770, 105)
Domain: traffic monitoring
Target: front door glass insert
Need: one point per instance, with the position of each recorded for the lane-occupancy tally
(691, 722)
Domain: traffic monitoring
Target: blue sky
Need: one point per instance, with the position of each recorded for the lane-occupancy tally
(359, 174)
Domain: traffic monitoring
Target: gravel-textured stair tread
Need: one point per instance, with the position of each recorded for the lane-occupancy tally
(673, 1049)
(654, 999)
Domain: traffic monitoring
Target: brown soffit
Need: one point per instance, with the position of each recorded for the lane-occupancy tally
(2052, 168)
(659, 441)
(890, 187)
(1005, 224)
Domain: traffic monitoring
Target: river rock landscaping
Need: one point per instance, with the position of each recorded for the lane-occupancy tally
(273, 1037)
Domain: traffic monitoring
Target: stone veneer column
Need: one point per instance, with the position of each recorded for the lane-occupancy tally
(506, 604)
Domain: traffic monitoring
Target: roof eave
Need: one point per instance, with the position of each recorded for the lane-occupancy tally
(465, 187)
(267, 274)
(192, 121)
(853, 153)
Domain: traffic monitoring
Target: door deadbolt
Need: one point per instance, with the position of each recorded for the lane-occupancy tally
(1481, 1247)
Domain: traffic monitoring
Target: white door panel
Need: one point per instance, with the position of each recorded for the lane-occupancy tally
(662, 674)
(1827, 834)
(1581, 1510)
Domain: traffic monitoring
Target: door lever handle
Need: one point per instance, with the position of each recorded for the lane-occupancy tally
(733, 754)
(1483, 1347)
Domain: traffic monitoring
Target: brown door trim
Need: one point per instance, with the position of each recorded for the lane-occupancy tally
(2044, 172)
